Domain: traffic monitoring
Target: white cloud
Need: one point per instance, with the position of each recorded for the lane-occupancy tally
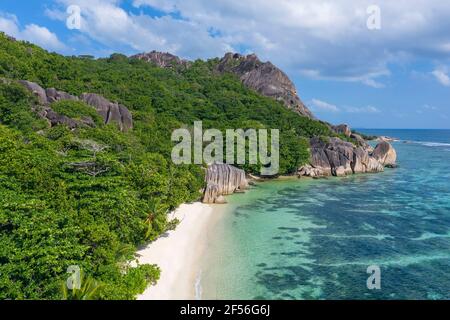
(9, 24)
(368, 109)
(426, 109)
(42, 36)
(320, 39)
(106, 22)
(442, 76)
(367, 79)
(326, 36)
(319, 105)
(32, 33)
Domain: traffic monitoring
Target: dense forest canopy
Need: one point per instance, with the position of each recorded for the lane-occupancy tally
(55, 213)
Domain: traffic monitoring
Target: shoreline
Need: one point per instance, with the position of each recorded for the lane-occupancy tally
(179, 253)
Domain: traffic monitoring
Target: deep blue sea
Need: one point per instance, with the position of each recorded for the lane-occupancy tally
(315, 239)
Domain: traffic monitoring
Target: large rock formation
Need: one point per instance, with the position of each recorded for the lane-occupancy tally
(223, 179)
(55, 118)
(343, 129)
(54, 95)
(35, 89)
(385, 154)
(335, 157)
(110, 112)
(163, 59)
(264, 78)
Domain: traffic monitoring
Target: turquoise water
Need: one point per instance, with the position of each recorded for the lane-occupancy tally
(314, 239)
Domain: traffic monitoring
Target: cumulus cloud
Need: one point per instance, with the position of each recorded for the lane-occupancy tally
(328, 38)
(426, 108)
(368, 109)
(106, 22)
(320, 39)
(441, 75)
(32, 33)
(319, 105)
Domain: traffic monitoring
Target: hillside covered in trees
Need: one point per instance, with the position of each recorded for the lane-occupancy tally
(54, 214)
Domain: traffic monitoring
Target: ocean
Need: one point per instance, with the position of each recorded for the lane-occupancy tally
(315, 239)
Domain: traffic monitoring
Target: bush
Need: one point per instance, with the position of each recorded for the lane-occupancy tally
(77, 110)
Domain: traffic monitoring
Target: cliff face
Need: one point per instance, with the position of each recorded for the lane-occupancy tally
(264, 78)
(110, 112)
(223, 179)
(339, 158)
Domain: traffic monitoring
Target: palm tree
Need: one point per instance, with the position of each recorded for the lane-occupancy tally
(89, 289)
(156, 219)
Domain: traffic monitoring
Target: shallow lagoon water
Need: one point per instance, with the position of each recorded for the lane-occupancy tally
(314, 239)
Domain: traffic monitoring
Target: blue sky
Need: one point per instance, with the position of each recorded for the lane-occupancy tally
(396, 76)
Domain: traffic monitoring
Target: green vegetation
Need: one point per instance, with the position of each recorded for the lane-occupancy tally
(90, 196)
(77, 110)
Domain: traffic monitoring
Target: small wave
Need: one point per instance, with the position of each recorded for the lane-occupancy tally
(436, 144)
(431, 144)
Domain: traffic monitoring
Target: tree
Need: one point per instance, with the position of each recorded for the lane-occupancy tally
(89, 289)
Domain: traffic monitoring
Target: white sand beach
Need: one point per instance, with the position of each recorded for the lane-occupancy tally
(178, 253)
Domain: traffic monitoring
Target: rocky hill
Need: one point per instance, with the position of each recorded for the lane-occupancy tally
(263, 77)
(162, 59)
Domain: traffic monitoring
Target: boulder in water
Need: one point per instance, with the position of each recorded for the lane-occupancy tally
(385, 154)
(333, 156)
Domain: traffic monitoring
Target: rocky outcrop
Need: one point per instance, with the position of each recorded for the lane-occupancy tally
(385, 154)
(343, 129)
(364, 162)
(361, 142)
(163, 59)
(110, 112)
(35, 89)
(335, 157)
(55, 119)
(54, 95)
(264, 78)
(223, 179)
